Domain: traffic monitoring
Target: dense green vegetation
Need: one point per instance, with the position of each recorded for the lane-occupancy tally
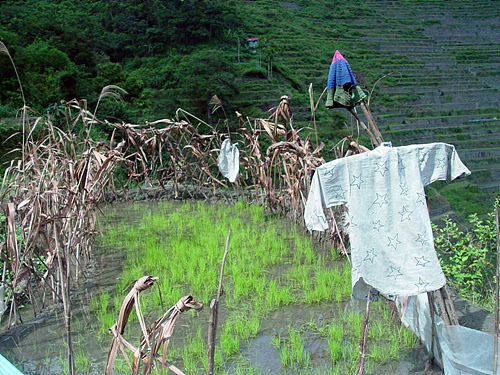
(431, 66)
(139, 45)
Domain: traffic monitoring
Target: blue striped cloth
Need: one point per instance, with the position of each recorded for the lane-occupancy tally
(340, 72)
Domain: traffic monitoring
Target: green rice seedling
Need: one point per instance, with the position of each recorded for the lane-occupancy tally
(218, 359)
(271, 298)
(276, 341)
(242, 367)
(298, 255)
(354, 320)
(285, 297)
(103, 301)
(408, 337)
(394, 350)
(194, 352)
(285, 356)
(299, 275)
(323, 286)
(298, 353)
(337, 278)
(82, 361)
(230, 343)
(105, 317)
(346, 285)
(238, 325)
(353, 355)
(309, 250)
(376, 331)
(337, 295)
(335, 336)
(253, 324)
(378, 352)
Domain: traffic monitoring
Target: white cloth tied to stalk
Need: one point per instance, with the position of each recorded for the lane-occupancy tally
(392, 247)
(229, 160)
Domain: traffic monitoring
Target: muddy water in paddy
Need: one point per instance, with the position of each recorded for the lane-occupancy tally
(38, 346)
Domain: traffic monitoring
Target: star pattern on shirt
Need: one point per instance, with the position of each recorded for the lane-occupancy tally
(441, 163)
(405, 214)
(338, 192)
(319, 216)
(327, 172)
(422, 238)
(377, 225)
(421, 261)
(401, 167)
(394, 241)
(404, 189)
(352, 224)
(421, 285)
(357, 181)
(381, 199)
(381, 168)
(394, 272)
(421, 197)
(370, 255)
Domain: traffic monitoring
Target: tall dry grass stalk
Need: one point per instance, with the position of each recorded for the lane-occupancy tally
(51, 198)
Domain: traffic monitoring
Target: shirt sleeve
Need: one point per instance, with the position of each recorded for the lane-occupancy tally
(328, 188)
(440, 161)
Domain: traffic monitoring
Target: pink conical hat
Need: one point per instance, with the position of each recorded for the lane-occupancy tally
(337, 57)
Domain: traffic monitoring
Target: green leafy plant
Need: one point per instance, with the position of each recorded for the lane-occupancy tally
(467, 255)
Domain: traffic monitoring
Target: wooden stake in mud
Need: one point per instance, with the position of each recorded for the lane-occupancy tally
(364, 336)
(497, 296)
(214, 307)
(434, 337)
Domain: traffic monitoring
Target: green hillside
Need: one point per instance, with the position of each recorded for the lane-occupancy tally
(432, 67)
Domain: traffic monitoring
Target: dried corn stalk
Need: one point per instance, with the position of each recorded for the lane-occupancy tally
(154, 338)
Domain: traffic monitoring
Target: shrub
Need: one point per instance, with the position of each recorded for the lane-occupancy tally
(467, 257)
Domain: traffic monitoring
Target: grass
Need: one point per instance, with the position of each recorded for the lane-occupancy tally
(271, 264)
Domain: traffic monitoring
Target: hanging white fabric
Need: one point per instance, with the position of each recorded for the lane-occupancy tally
(392, 248)
(229, 160)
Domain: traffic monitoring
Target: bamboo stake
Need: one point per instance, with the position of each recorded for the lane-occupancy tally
(450, 305)
(497, 295)
(64, 280)
(214, 307)
(442, 305)
(434, 337)
(371, 122)
(364, 336)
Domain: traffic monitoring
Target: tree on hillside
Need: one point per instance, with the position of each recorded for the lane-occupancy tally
(203, 74)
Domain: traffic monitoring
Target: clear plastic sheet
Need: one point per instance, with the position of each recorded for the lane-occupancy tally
(464, 351)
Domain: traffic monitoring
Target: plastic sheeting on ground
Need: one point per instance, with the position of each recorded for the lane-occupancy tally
(229, 160)
(8, 368)
(464, 351)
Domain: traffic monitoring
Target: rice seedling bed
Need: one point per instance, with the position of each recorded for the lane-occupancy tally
(286, 306)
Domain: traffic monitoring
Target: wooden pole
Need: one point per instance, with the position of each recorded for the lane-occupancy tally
(371, 122)
(364, 336)
(497, 296)
(214, 307)
(434, 337)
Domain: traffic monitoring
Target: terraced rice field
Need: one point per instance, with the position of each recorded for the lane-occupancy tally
(443, 59)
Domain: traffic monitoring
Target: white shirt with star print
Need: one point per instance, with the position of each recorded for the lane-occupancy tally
(392, 248)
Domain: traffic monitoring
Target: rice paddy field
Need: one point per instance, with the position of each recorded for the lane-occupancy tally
(286, 306)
